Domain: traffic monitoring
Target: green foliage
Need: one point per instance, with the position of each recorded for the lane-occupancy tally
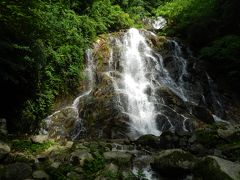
(42, 46)
(30, 147)
(91, 167)
(112, 175)
(61, 172)
(226, 47)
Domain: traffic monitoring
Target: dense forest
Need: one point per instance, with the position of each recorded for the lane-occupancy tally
(42, 45)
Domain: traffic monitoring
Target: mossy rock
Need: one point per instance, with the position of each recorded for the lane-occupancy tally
(208, 137)
(174, 162)
(148, 140)
(212, 168)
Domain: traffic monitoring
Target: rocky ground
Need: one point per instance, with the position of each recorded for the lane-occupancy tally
(210, 152)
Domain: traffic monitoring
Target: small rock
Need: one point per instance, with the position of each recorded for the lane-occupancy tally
(39, 174)
(17, 171)
(4, 150)
(39, 138)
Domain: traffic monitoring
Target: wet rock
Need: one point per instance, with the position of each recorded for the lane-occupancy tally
(213, 167)
(174, 161)
(148, 140)
(39, 138)
(39, 174)
(17, 171)
(101, 114)
(4, 150)
(203, 114)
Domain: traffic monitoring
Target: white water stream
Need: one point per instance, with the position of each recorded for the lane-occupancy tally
(142, 72)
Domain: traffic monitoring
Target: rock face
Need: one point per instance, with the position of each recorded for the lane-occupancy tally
(213, 167)
(174, 161)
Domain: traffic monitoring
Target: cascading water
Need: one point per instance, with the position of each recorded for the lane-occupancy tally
(134, 83)
(142, 73)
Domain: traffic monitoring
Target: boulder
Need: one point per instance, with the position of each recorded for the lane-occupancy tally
(212, 167)
(17, 171)
(39, 174)
(174, 162)
(148, 140)
(4, 150)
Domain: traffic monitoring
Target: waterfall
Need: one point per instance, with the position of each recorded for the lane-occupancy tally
(134, 83)
(151, 91)
(142, 72)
